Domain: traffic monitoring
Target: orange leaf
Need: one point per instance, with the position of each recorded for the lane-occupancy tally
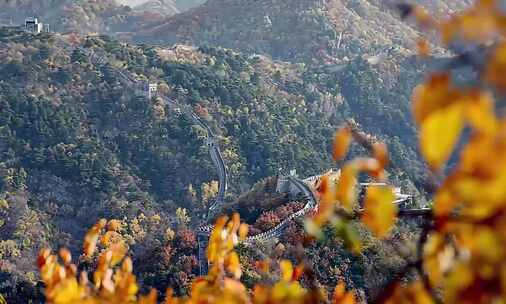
(243, 231)
(422, 17)
(423, 47)
(380, 151)
(298, 272)
(326, 191)
(444, 202)
(151, 298)
(342, 140)
(340, 295)
(263, 266)
(90, 243)
(114, 225)
(127, 265)
(65, 256)
(42, 258)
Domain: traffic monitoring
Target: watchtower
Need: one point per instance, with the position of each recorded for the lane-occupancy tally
(33, 25)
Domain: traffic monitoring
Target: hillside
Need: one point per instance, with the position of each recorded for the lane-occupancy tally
(178, 5)
(77, 145)
(162, 7)
(87, 16)
(298, 30)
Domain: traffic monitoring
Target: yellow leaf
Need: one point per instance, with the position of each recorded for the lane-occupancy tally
(439, 134)
(233, 265)
(433, 95)
(286, 270)
(118, 252)
(342, 140)
(460, 277)
(67, 291)
(480, 114)
(379, 210)
(345, 192)
(127, 265)
(431, 262)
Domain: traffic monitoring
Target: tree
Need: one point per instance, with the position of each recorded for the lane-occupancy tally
(470, 203)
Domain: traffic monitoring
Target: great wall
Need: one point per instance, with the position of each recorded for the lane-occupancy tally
(286, 184)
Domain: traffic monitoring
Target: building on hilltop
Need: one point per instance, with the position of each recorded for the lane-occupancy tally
(33, 25)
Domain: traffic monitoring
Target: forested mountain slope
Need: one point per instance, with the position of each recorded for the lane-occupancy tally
(86, 16)
(162, 7)
(297, 30)
(77, 145)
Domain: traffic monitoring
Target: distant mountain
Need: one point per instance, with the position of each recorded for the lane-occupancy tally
(162, 7)
(293, 30)
(180, 5)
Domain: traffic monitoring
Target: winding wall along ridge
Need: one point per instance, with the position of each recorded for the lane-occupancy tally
(203, 232)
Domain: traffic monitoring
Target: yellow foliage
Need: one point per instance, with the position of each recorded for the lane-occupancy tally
(465, 254)
(114, 283)
(435, 94)
(439, 134)
(379, 210)
(346, 188)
